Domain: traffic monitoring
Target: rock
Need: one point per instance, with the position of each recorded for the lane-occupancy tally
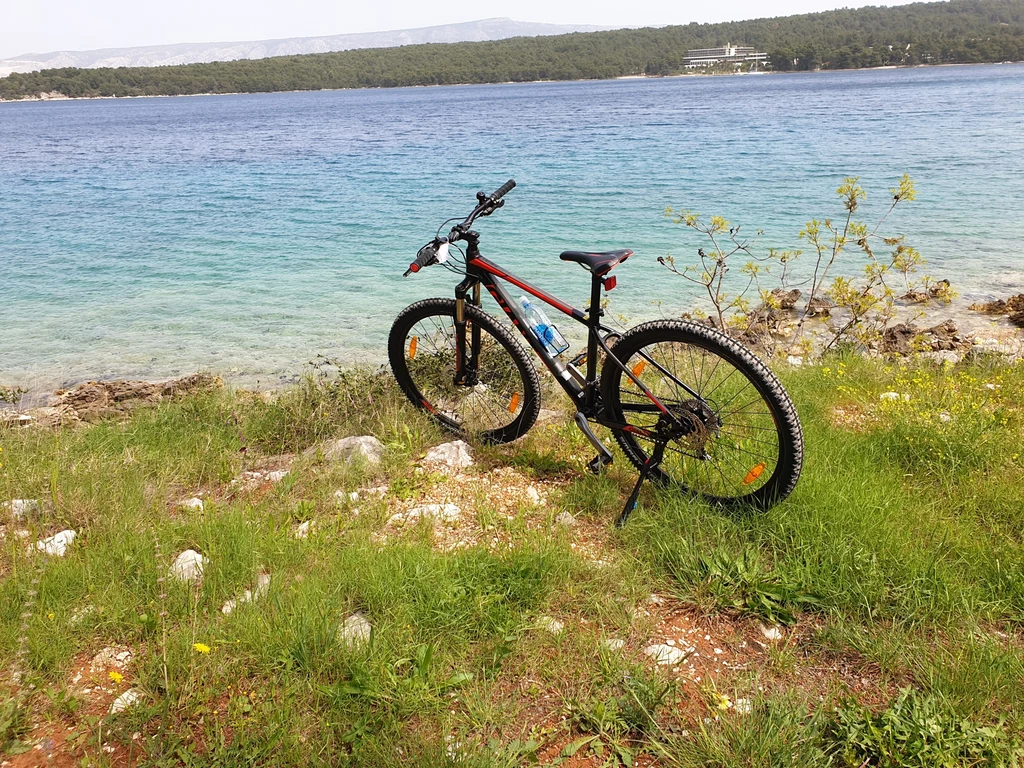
(342, 496)
(819, 306)
(656, 600)
(276, 476)
(445, 513)
(188, 566)
(114, 656)
(786, 299)
(129, 698)
(893, 396)
(250, 595)
(1017, 318)
(1000, 307)
(915, 297)
(940, 289)
(301, 531)
(453, 455)
(742, 706)
(666, 655)
(613, 644)
(771, 632)
(945, 418)
(358, 448)
(354, 631)
(194, 503)
(19, 509)
(93, 401)
(550, 624)
(56, 545)
(906, 339)
(565, 519)
(533, 496)
(795, 361)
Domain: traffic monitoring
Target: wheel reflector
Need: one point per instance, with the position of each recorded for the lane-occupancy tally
(513, 403)
(412, 346)
(639, 367)
(755, 473)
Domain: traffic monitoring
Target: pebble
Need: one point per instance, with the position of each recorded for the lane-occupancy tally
(354, 630)
(277, 475)
(614, 643)
(533, 496)
(446, 513)
(194, 503)
(250, 595)
(551, 624)
(301, 531)
(893, 396)
(453, 455)
(565, 519)
(129, 698)
(21, 508)
(795, 361)
(188, 566)
(772, 633)
(56, 545)
(666, 655)
(359, 448)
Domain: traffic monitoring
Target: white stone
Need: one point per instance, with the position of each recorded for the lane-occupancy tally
(188, 566)
(613, 643)
(742, 706)
(533, 496)
(893, 396)
(345, 496)
(565, 519)
(129, 698)
(250, 595)
(794, 360)
(365, 447)
(354, 630)
(446, 513)
(301, 531)
(665, 654)
(945, 418)
(277, 475)
(772, 633)
(656, 600)
(57, 544)
(551, 624)
(19, 509)
(454, 455)
(194, 503)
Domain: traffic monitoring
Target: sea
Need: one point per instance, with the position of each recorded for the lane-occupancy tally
(246, 235)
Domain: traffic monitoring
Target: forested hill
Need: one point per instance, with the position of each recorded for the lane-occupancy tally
(959, 31)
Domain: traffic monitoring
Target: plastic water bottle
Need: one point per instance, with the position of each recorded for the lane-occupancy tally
(545, 330)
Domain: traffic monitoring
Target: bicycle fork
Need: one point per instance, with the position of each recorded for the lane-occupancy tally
(466, 368)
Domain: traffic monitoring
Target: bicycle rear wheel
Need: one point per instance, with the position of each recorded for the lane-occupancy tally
(743, 442)
(503, 401)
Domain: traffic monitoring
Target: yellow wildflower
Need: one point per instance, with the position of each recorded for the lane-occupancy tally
(50, 615)
(722, 701)
(201, 647)
(117, 677)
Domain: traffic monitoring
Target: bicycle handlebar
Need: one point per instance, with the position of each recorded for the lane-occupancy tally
(486, 205)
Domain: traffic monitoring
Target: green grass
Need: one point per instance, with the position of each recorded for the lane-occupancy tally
(898, 560)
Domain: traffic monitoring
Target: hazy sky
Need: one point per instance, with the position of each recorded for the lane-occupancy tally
(40, 26)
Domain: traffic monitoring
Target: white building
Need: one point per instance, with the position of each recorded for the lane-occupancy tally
(729, 53)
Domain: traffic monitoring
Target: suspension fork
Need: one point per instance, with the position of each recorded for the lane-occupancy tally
(466, 365)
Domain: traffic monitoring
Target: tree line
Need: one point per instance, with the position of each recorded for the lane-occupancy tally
(957, 31)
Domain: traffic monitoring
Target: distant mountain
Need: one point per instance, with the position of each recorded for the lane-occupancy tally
(194, 53)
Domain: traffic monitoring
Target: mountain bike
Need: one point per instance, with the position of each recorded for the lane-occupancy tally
(690, 406)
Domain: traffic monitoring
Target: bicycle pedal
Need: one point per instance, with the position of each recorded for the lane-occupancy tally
(598, 463)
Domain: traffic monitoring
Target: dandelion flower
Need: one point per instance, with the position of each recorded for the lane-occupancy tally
(117, 677)
(722, 701)
(201, 647)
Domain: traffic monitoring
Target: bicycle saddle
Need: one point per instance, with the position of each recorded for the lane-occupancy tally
(598, 263)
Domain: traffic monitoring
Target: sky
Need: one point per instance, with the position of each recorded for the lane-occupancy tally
(41, 26)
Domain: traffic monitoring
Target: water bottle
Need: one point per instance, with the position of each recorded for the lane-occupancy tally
(538, 321)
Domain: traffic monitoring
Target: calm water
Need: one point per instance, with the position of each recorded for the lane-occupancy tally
(246, 234)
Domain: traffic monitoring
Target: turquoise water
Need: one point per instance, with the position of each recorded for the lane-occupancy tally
(247, 234)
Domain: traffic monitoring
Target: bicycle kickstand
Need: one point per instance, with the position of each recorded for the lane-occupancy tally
(649, 466)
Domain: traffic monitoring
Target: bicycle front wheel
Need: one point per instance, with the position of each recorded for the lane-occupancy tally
(501, 402)
(742, 440)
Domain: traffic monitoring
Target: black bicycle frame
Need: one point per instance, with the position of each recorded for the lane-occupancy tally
(585, 396)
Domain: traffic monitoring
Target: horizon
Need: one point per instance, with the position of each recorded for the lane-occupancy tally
(65, 25)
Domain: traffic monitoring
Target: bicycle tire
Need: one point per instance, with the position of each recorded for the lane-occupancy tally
(451, 406)
(743, 444)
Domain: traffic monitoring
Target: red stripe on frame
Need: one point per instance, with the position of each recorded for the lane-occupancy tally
(542, 295)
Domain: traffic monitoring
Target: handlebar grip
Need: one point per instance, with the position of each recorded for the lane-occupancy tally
(504, 189)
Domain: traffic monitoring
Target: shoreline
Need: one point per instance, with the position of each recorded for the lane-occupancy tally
(62, 97)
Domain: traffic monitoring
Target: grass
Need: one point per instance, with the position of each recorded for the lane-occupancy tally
(894, 571)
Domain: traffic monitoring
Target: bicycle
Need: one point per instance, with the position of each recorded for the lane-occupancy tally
(668, 389)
